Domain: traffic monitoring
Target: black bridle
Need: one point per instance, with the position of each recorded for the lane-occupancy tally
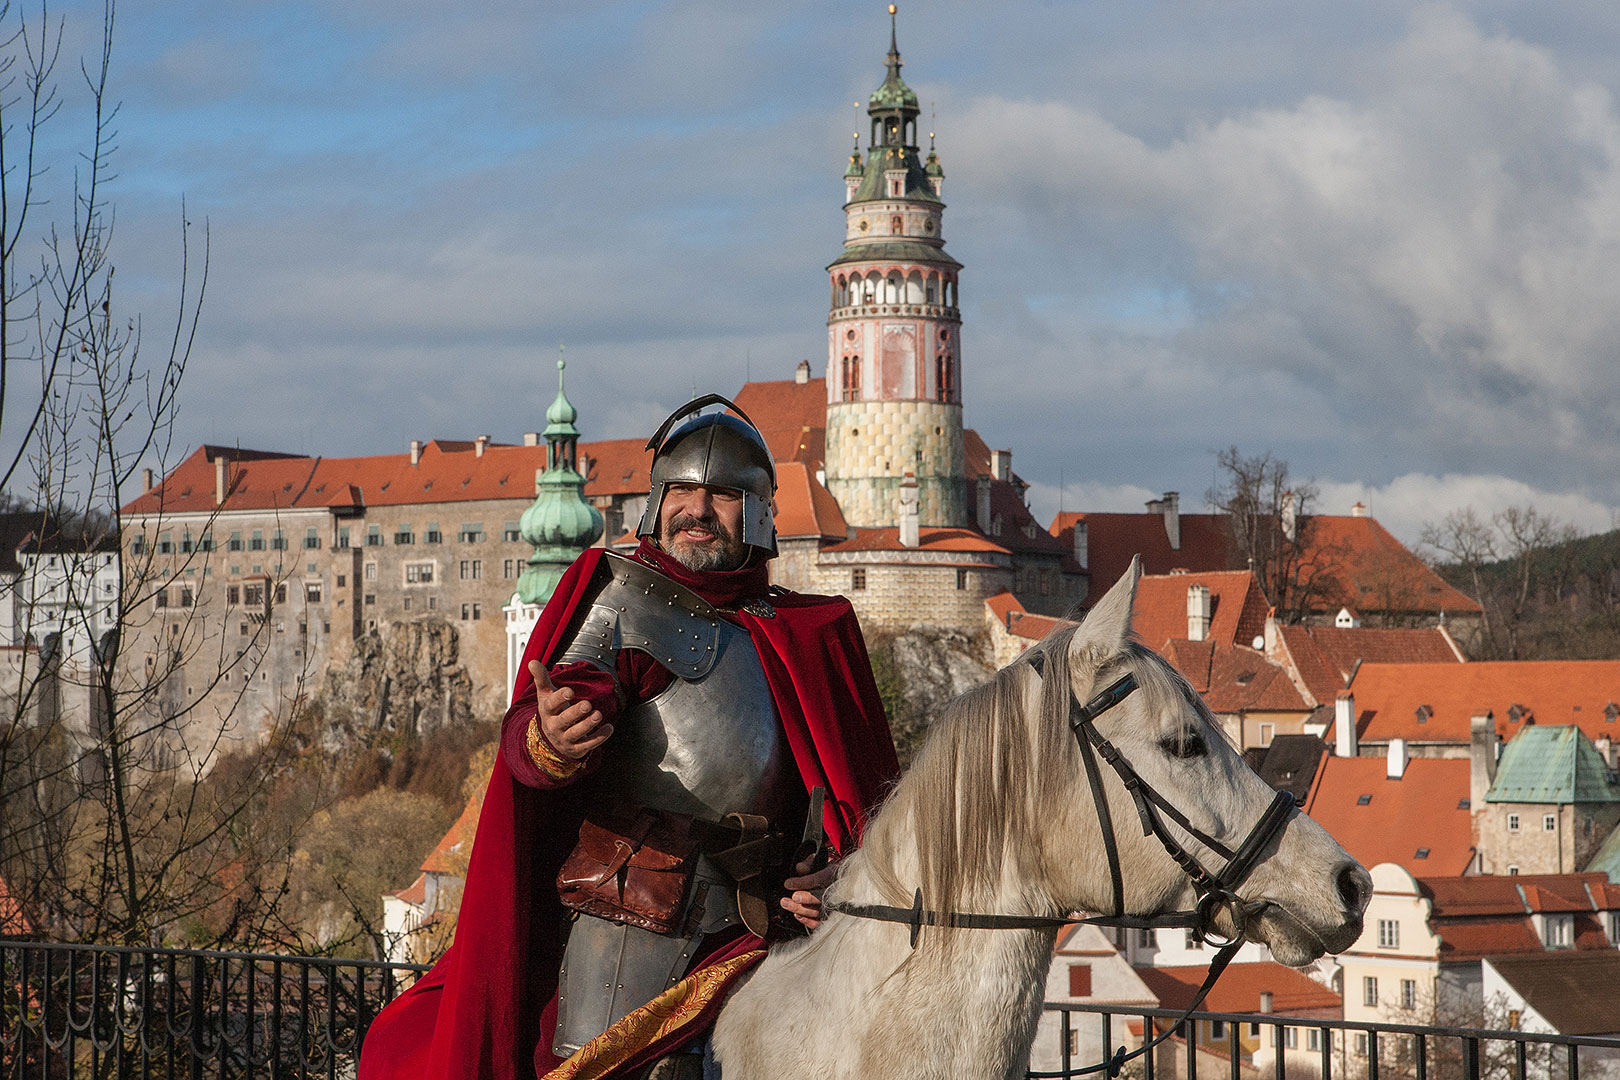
(1214, 890)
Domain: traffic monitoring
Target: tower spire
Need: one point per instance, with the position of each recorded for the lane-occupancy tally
(894, 61)
(560, 524)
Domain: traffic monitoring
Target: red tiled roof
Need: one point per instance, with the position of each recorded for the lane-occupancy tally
(888, 539)
(1113, 539)
(1238, 607)
(1293, 993)
(13, 923)
(784, 406)
(1472, 940)
(1423, 809)
(1324, 656)
(1373, 571)
(1019, 530)
(260, 481)
(1234, 679)
(1554, 691)
(415, 893)
(803, 506)
(450, 855)
(1500, 894)
(1003, 604)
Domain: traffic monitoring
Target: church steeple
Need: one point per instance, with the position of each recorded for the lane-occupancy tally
(560, 524)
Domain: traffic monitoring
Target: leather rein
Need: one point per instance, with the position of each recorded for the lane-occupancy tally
(1214, 890)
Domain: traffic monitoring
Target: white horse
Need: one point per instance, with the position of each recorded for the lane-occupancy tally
(996, 816)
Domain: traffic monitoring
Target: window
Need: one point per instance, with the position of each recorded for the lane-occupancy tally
(373, 536)
(1513, 823)
(160, 599)
(510, 532)
(256, 541)
(243, 630)
(403, 534)
(233, 595)
(206, 543)
(431, 534)
(165, 543)
(312, 539)
(1422, 853)
(1408, 994)
(185, 543)
(857, 579)
(472, 569)
(961, 579)
(1361, 1043)
(1144, 936)
(1079, 980)
(418, 573)
(343, 580)
(433, 603)
(281, 593)
(185, 596)
(472, 532)
(343, 538)
(371, 598)
(1389, 934)
(1549, 823)
(1313, 1039)
(371, 571)
(1369, 990)
(1189, 939)
(478, 611)
(278, 542)
(1363, 800)
(312, 592)
(1612, 923)
(509, 568)
(137, 546)
(1217, 1029)
(1267, 733)
(1290, 1038)
(405, 604)
(253, 594)
(1254, 1031)
(1556, 931)
(1513, 871)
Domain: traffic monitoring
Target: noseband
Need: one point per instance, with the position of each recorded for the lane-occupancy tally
(1214, 889)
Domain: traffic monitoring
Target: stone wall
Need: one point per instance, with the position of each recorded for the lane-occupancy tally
(1579, 829)
(872, 444)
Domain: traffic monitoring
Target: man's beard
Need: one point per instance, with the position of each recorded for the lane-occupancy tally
(725, 552)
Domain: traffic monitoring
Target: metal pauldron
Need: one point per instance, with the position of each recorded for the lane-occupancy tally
(636, 607)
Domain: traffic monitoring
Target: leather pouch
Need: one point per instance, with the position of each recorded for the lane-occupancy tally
(631, 865)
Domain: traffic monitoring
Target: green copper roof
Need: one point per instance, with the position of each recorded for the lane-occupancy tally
(874, 185)
(1552, 765)
(855, 166)
(559, 524)
(894, 93)
(895, 251)
(932, 168)
(1607, 859)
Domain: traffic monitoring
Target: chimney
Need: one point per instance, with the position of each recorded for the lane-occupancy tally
(984, 503)
(1605, 747)
(1344, 725)
(1397, 759)
(1359, 509)
(1082, 546)
(1481, 758)
(1271, 640)
(1266, 1001)
(909, 532)
(1289, 514)
(1001, 464)
(147, 480)
(220, 487)
(1198, 610)
(416, 451)
(479, 445)
(801, 374)
(531, 438)
(1172, 519)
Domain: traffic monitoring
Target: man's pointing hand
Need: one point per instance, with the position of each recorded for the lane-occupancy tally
(573, 728)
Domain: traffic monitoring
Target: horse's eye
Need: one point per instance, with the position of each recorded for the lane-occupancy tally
(1188, 744)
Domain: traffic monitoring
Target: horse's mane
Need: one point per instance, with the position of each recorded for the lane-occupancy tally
(981, 788)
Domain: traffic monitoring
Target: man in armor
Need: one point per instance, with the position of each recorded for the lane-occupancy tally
(678, 721)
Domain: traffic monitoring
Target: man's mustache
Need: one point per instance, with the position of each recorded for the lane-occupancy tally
(693, 521)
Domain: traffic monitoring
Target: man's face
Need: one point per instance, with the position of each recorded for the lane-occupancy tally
(701, 526)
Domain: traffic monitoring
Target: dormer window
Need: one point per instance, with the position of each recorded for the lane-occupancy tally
(1610, 711)
(1558, 931)
(1423, 714)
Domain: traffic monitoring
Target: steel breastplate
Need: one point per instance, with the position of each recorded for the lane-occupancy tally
(710, 746)
(711, 743)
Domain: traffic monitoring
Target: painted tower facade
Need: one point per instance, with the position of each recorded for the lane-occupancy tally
(894, 387)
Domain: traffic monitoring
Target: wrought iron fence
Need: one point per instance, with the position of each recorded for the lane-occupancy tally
(1253, 1046)
(101, 1011)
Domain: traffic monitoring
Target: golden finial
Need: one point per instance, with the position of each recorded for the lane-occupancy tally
(892, 9)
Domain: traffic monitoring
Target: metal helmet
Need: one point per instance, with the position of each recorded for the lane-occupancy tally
(717, 451)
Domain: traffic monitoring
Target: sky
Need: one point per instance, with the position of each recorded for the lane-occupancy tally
(1378, 240)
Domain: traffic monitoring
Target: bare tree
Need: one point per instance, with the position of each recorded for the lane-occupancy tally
(1273, 532)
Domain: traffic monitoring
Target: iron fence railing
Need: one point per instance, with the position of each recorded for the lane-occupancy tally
(163, 1014)
(108, 1012)
(1255, 1046)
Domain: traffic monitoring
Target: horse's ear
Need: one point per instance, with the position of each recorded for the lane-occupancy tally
(1105, 630)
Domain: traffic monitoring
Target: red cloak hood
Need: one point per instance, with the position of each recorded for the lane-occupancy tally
(488, 1004)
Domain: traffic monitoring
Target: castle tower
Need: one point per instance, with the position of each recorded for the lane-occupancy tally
(559, 525)
(894, 387)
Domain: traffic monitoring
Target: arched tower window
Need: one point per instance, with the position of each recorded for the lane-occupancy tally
(944, 369)
(897, 224)
(933, 289)
(850, 378)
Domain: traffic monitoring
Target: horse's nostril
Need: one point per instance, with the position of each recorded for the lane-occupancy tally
(1352, 889)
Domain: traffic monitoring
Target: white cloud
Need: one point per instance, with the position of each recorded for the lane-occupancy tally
(1046, 500)
(1407, 503)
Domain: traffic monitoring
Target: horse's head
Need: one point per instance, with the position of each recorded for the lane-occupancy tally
(1303, 897)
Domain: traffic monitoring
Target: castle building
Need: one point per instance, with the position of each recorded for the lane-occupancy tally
(894, 401)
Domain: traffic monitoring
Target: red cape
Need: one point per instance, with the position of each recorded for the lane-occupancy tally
(487, 1009)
